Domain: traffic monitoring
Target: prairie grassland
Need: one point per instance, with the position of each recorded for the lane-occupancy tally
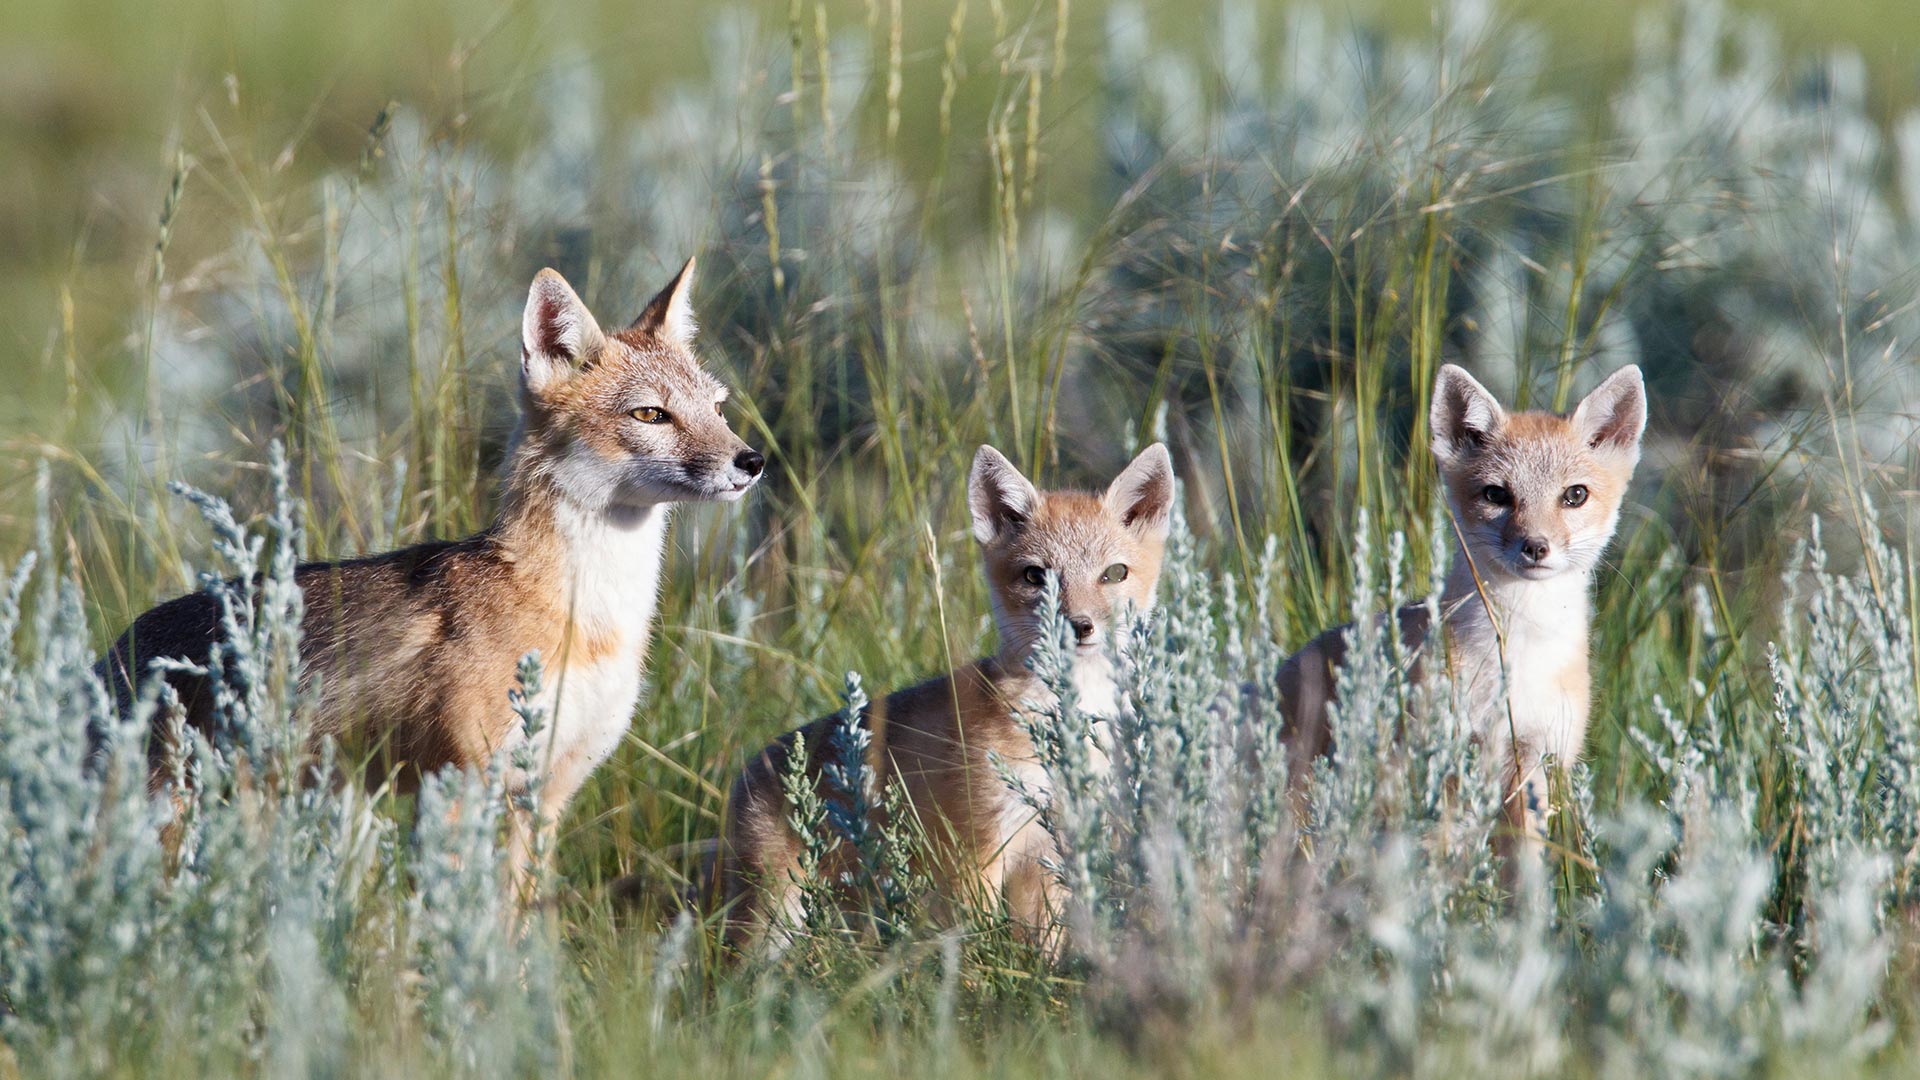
(1260, 250)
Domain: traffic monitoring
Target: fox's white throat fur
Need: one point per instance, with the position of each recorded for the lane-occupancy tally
(1518, 665)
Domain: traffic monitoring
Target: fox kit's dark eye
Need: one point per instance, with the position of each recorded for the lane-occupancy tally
(649, 414)
(1575, 496)
(1114, 575)
(1035, 576)
(1496, 494)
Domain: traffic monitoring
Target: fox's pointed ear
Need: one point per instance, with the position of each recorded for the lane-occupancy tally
(1613, 417)
(1463, 415)
(669, 315)
(558, 334)
(1002, 500)
(1142, 495)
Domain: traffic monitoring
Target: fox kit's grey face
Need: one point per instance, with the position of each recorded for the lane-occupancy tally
(1536, 494)
(631, 419)
(1106, 549)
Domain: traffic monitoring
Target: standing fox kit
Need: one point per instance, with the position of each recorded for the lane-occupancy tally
(414, 652)
(940, 739)
(1535, 498)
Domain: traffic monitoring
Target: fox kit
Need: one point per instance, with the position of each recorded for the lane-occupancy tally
(413, 652)
(1535, 498)
(939, 739)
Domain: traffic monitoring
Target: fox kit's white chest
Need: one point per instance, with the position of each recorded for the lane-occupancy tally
(590, 689)
(1096, 702)
(1527, 682)
(590, 708)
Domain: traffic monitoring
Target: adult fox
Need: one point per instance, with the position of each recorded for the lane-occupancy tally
(413, 652)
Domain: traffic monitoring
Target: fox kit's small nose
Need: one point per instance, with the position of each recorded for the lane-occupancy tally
(1082, 628)
(750, 462)
(1535, 549)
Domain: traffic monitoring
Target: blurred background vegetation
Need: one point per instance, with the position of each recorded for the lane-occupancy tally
(98, 98)
(1056, 225)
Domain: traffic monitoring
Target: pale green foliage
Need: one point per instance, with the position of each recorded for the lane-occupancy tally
(1282, 248)
(277, 891)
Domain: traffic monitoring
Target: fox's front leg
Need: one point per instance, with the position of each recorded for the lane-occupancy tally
(1529, 798)
(1036, 899)
(533, 830)
(526, 853)
(1525, 816)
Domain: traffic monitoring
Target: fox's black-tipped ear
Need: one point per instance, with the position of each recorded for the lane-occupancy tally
(1463, 415)
(557, 335)
(1002, 500)
(1612, 418)
(1142, 495)
(669, 315)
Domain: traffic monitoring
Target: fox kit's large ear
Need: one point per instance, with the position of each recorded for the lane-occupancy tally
(669, 315)
(1463, 415)
(1002, 500)
(1142, 495)
(1612, 418)
(557, 335)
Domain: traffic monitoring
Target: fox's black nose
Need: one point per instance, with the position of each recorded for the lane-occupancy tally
(750, 462)
(1535, 549)
(1082, 627)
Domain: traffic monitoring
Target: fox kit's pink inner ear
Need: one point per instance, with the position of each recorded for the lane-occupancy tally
(1463, 415)
(1142, 495)
(557, 334)
(1613, 417)
(1002, 500)
(669, 315)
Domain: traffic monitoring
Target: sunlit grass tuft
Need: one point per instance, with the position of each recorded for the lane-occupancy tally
(1278, 252)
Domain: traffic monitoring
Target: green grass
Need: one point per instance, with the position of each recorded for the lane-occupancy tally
(869, 375)
(106, 94)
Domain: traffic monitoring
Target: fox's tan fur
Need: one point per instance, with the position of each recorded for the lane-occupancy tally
(414, 652)
(939, 739)
(1517, 595)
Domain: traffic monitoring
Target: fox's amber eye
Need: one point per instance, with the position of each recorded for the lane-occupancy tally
(649, 414)
(1114, 575)
(1035, 576)
(1496, 495)
(1575, 496)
